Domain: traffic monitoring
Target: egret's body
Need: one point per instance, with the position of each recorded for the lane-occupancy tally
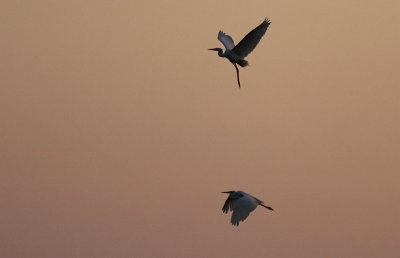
(241, 204)
(236, 54)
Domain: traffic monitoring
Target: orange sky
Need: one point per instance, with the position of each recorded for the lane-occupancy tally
(120, 129)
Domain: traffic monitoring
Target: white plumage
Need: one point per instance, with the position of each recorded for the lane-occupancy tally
(226, 40)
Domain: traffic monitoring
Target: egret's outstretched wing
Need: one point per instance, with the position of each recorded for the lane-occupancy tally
(250, 41)
(242, 208)
(226, 40)
(228, 205)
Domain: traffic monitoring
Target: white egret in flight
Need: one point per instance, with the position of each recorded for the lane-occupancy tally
(236, 54)
(241, 204)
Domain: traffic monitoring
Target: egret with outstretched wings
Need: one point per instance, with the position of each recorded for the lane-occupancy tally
(241, 204)
(236, 54)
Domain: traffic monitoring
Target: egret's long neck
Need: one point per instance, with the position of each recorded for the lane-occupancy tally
(221, 53)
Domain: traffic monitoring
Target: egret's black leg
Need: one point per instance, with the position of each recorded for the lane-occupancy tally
(237, 73)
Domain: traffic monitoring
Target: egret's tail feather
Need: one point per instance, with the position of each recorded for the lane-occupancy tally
(243, 63)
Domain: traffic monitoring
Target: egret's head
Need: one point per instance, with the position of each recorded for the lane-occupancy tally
(234, 194)
(227, 192)
(219, 50)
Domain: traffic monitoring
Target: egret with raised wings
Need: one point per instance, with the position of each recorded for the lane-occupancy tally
(236, 54)
(241, 204)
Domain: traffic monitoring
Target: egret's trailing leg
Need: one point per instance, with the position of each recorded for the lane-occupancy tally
(237, 73)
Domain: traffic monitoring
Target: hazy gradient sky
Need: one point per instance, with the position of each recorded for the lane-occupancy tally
(119, 129)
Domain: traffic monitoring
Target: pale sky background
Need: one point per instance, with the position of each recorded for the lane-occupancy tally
(119, 129)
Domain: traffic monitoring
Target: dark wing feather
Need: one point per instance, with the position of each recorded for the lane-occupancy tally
(227, 205)
(250, 41)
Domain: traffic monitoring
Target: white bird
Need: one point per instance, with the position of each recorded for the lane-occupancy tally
(236, 54)
(241, 204)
